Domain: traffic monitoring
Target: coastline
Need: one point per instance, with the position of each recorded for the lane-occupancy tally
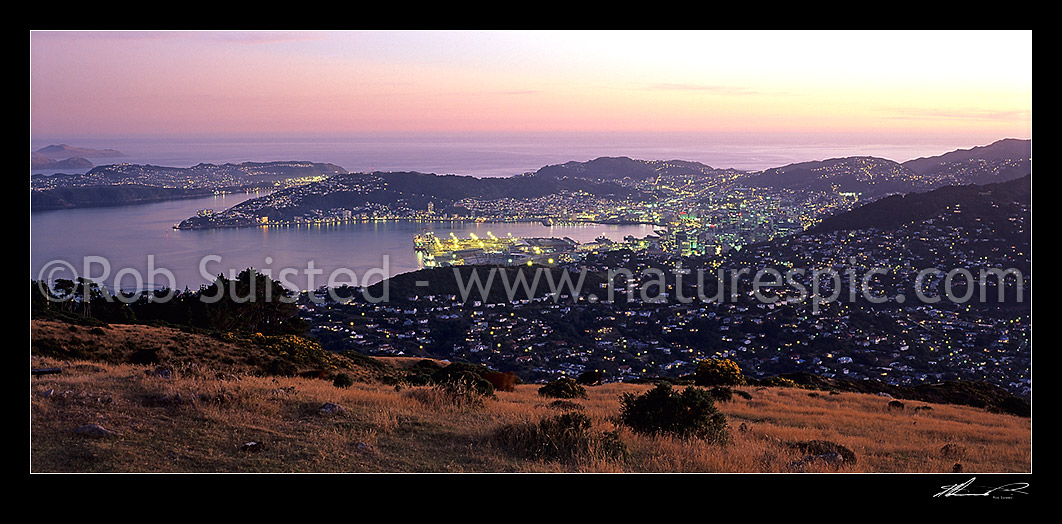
(463, 220)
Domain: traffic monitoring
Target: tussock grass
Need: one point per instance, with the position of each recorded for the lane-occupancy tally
(199, 420)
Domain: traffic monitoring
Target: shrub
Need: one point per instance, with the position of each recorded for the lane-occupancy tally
(689, 414)
(590, 378)
(722, 394)
(718, 372)
(779, 382)
(444, 374)
(281, 367)
(460, 390)
(564, 387)
(145, 355)
(567, 437)
(343, 380)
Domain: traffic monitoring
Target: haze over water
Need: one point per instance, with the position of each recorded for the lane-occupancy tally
(507, 154)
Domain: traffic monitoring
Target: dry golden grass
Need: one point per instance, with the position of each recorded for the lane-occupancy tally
(195, 421)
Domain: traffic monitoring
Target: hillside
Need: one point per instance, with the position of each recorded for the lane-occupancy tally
(604, 168)
(107, 195)
(990, 201)
(194, 410)
(1006, 149)
(863, 174)
(997, 162)
(410, 190)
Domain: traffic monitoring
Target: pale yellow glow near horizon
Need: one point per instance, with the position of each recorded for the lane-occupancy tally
(350, 81)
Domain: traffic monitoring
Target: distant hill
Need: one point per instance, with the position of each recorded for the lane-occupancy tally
(618, 168)
(874, 177)
(216, 175)
(66, 151)
(119, 184)
(62, 156)
(1006, 149)
(39, 162)
(409, 188)
(608, 168)
(858, 174)
(107, 195)
(896, 210)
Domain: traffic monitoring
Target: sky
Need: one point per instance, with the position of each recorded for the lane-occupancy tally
(887, 84)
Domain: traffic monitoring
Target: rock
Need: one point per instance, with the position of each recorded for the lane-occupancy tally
(830, 458)
(94, 430)
(168, 400)
(363, 447)
(330, 409)
(253, 447)
(825, 449)
(48, 393)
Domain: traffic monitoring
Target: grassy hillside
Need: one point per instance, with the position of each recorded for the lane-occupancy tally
(210, 414)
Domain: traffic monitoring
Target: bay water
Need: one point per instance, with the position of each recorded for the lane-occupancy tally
(136, 247)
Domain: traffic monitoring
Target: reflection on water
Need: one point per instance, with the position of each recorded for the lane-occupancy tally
(132, 242)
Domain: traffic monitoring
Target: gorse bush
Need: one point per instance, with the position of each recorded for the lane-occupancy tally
(718, 372)
(463, 390)
(689, 414)
(563, 388)
(779, 382)
(343, 380)
(722, 394)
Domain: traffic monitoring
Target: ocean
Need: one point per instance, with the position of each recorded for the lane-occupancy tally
(502, 154)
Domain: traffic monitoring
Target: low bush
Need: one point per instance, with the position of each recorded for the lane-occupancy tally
(722, 394)
(718, 372)
(563, 388)
(343, 380)
(778, 382)
(689, 414)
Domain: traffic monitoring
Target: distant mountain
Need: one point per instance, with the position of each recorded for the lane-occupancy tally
(1006, 149)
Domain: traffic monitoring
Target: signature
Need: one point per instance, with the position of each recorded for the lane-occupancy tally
(959, 490)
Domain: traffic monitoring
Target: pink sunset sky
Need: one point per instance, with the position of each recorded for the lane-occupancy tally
(881, 83)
